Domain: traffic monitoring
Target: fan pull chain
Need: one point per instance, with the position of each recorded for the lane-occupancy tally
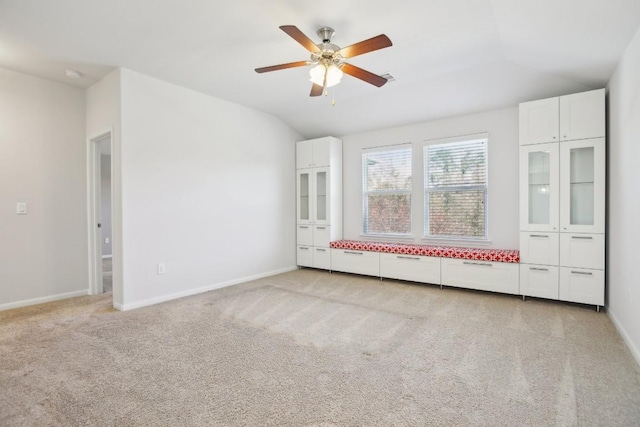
(333, 96)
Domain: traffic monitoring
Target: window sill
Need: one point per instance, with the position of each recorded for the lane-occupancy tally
(447, 241)
(388, 237)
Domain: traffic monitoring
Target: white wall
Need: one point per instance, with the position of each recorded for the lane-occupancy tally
(104, 115)
(502, 126)
(624, 204)
(43, 163)
(208, 189)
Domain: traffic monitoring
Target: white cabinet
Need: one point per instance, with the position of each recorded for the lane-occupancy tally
(319, 199)
(582, 285)
(305, 235)
(582, 115)
(304, 256)
(358, 262)
(317, 152)
(539, 121)
(422, 269)
(562, 197)
(314, 195)
(539, 248)
(481, 275)
(564, 118)
(582, 186)
(539, 281)
(582, 250)
(540, 187)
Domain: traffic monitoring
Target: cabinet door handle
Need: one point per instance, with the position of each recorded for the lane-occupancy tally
(538, 269)
(321, 228)
(303, 248)
(477, 263)
(409, 257)
(321, 250)
(303, 226)
(582, 237)
(353, 253)
(584, 273)
(544, 236)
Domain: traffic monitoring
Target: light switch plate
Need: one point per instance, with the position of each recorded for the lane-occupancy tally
(21, 208)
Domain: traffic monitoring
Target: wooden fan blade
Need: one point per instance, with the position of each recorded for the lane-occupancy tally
(316, 90)
(301, 38)
(374, 43)
(364, 75)
(282, 66)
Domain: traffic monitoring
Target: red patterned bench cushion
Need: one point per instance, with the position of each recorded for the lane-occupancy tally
(496, 255)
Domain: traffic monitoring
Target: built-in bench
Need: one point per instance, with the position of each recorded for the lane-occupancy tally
(494, 270)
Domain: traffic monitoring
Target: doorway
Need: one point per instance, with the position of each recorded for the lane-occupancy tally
(100, 218)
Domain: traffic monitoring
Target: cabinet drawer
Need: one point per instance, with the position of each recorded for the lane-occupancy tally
(410, 267)
(582, 285)
(304, 235)
(539, 281)
(539, 248)
(305, 256)
(359, 262)
(481, 275)
(321, 235)
(582, 250)
(322, 258)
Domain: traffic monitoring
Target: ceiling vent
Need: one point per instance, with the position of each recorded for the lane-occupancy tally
(390, 77)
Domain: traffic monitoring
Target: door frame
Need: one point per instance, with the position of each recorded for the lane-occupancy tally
(94, 209)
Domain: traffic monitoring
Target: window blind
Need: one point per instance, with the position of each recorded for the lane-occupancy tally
(386, 192)
(456, 189)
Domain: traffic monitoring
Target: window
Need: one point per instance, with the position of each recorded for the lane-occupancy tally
(455, 186)
(386, 191)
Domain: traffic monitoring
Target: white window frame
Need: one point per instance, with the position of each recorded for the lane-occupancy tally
(366, 193)
(426, 191)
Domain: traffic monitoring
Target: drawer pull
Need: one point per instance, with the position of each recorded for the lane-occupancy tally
(584, 273)
(543, 236)
(582, 237)
(353, 253)
(538, 269)
(409, 257)
(321, 228)
(303, 226)
(303, 248)
(477, 263)
(321, 250)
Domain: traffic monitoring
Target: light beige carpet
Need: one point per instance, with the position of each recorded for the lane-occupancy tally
(313, 348)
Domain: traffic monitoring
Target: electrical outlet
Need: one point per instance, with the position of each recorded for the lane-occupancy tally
(21, 208)
(161, 269)
(107, 240)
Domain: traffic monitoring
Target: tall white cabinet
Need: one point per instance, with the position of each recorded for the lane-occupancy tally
(562, 198)
(319, 200)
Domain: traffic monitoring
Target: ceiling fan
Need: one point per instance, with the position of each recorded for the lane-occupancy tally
(328, 60)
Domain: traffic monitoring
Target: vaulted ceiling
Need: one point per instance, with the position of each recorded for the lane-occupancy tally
(448, 57)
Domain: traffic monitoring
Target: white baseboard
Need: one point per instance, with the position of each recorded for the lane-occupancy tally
(163, 298)
(626, 338)
(106, 256)
(41, 300)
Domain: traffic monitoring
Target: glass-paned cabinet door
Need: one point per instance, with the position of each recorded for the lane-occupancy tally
(582, 181)
(321, 187)
(539, 195)
(304, 196)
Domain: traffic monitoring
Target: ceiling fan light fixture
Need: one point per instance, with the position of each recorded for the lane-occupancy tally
(333, 75)
(316, 74)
